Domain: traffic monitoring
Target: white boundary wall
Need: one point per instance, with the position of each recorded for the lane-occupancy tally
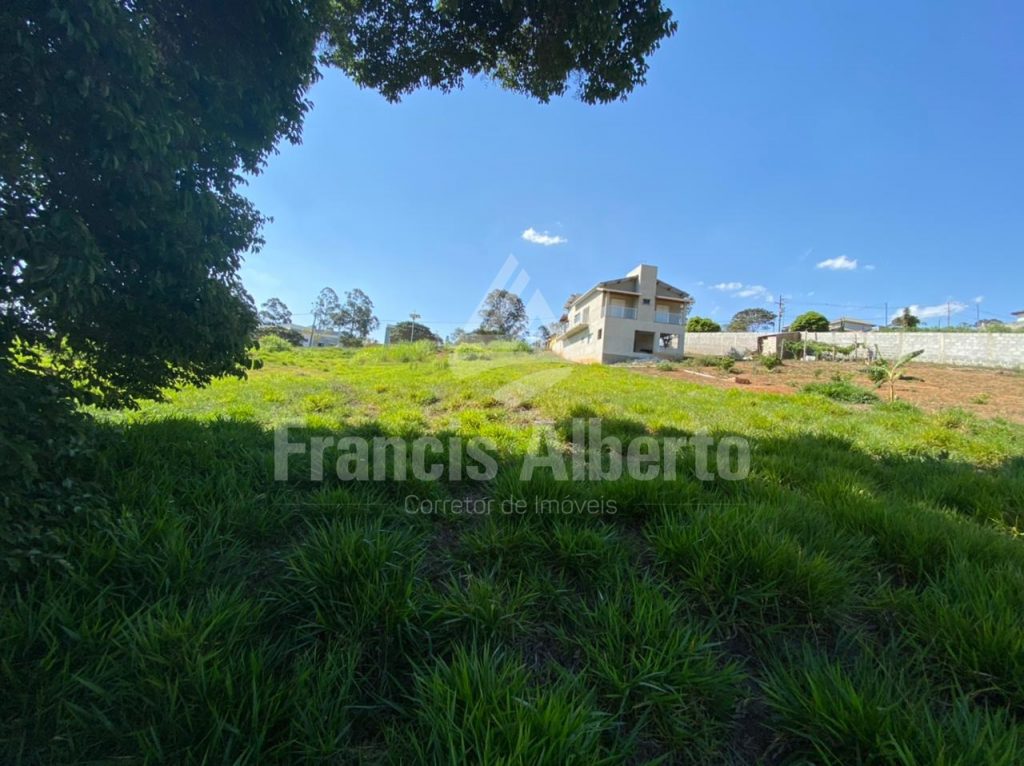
(973, 349)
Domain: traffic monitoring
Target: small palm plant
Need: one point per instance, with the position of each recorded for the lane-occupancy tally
(889, 371)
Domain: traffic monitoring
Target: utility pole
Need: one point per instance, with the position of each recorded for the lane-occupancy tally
(782, 305)
(412, 328)
(949, 313)
(886, 317)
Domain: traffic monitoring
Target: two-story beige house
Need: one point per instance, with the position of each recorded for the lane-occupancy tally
(635, 317)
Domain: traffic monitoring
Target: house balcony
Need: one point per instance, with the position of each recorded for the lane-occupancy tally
(574, 328)
(670, 317)
(620, 312)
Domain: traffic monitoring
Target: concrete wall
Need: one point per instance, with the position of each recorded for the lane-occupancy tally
(976, 349)
(721, 343)
(981, 349)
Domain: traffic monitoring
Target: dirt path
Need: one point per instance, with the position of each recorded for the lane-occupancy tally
(988, 393)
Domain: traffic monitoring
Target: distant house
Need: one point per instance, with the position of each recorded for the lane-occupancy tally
(846, 324)
(322, 337)
(635, 317)
(981, 324)
(1019, 315)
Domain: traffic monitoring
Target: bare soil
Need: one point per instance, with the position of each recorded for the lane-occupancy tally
(986, 392)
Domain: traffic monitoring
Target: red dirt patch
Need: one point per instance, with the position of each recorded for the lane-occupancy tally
(985, 392)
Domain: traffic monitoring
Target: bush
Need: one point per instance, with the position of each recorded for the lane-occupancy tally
(702, 324)
(841, 391)
(798, 348)
(770, 362)
(273, 342)
(724, 363)
(293, 337)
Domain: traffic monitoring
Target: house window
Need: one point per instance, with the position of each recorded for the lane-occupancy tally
(647, 301)
(668, 340)
(600, 331)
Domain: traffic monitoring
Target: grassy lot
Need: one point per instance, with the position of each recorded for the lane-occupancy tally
(858, 598)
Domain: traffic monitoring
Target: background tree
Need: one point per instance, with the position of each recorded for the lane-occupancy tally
(810, 321)
(408, 331)
(503, 313)
(456, 336)
(355, 320)
(275, 313)
(702, 324)
(906, 320)
(325, 308)
(752, 319)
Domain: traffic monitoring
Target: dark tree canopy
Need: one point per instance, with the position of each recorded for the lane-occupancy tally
(125, 126)
(906, 320)
(409, 332)
(503, 313)
(702, 324)
(752, 319)
(810, 321)
(537, 47)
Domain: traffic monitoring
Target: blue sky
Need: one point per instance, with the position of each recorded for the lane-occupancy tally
(885, 140)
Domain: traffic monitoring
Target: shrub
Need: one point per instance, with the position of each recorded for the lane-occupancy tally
(274, 343)
(724, 363)
(841, 391)
(294, 337)
(770, 362)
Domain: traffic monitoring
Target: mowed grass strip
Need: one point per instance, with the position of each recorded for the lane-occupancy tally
(855, 599)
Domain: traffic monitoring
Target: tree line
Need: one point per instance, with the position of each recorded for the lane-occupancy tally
(754, 319)
(502, 314)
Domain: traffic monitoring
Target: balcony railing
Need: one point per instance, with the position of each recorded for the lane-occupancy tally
(668, 317)
(620, 312)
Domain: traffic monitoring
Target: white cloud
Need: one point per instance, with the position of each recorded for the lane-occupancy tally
(842, 263)
(740, 290)
(869, 267)
(753, 291)
(932, 312)
(542, 238)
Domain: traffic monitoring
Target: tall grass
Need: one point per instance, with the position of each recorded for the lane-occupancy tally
(856, 599)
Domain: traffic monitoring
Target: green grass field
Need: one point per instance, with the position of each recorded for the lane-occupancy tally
(859, 598)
